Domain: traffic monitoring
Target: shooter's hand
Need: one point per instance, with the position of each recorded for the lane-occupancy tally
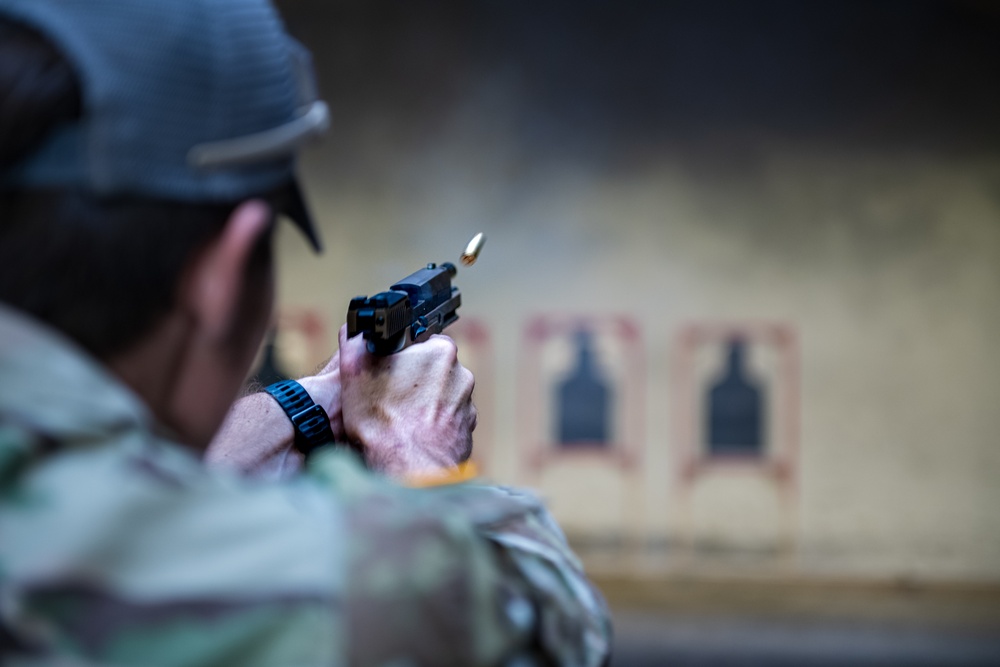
(412, 411)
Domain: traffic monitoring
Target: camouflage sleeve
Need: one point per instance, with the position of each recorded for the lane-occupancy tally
(467, 574)
(132, 554)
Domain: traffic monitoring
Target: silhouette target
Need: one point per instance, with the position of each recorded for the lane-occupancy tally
(736, 408)
(584, 400)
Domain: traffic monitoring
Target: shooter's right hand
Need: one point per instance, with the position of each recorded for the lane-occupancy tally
(410, 412)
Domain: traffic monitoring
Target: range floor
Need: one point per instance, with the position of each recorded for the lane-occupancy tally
(769, 624)
(647, 639)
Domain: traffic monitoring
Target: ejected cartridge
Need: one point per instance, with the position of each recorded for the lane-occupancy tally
(472, 250)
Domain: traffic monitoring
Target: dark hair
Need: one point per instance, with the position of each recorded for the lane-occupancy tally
(101, 270)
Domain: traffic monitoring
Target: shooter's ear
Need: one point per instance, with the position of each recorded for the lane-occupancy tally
(216, 276)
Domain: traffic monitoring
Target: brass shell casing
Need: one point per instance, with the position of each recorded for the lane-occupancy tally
(472, 250)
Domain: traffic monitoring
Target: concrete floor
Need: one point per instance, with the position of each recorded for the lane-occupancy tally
(645, 639)
(765, 624)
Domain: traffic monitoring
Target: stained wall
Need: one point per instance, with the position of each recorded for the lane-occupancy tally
(831, 174)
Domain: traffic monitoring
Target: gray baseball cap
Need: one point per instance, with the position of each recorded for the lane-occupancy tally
(192, 100)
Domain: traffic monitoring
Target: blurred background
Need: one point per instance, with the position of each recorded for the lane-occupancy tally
(738, 314)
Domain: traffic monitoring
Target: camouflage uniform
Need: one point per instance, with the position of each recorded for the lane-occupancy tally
(118, 547)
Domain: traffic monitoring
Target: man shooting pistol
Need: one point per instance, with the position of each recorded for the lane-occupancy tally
(148, 150)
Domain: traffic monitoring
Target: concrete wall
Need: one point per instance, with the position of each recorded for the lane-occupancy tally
(883, 261)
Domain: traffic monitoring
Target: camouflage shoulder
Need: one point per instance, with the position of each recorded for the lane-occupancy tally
(19, 449)
(527, 558)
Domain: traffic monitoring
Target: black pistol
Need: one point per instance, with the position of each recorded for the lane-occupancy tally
(419, 305)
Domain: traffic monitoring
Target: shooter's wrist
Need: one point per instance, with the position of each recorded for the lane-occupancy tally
(255, 439)
(309, 419)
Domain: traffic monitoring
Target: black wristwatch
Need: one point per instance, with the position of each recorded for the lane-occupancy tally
(310, 421)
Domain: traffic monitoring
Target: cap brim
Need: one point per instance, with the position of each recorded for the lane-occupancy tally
(293, 204)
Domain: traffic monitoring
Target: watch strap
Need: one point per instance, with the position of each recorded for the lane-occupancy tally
(310, 421)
